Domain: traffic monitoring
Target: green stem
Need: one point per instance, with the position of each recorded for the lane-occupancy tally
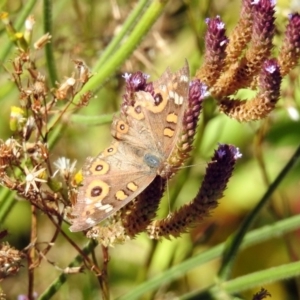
(107, 69)
(126, 27)
(252, 238)
(7, 201)
(91, 120)
(235, 241)
(246, 282)
(62, 278)
(48, 47)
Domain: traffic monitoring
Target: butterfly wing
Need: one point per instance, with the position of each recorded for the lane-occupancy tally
(164, 112)
(111, 180)
(175, 88)
(121, 172)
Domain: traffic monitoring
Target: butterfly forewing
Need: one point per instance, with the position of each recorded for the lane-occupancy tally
(164, 113)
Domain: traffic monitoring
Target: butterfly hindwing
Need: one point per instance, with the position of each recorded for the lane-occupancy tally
(110, 182)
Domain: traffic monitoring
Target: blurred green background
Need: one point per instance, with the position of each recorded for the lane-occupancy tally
(82, 29)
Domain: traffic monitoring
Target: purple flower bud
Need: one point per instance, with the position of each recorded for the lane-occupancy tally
(136, 81)
(215, 39)
(270, 80)
(198, 91)
(293, 29)
(263, 21)
(225, 151)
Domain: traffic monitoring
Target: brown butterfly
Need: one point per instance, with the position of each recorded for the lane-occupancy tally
(144, 137)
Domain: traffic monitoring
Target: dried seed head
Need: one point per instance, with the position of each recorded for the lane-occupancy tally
(42, 41)
(66, 87)
(39, 88)
(85, 98)
(84, 72)
(18, 65)
(24, 98)
(109, 235)
(9, 153)
(10, 260)
(28, 128)
(37, 150)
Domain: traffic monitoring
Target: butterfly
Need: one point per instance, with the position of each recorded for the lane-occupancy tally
(144, 134)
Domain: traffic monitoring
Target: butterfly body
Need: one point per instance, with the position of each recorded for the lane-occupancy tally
(144, 136)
